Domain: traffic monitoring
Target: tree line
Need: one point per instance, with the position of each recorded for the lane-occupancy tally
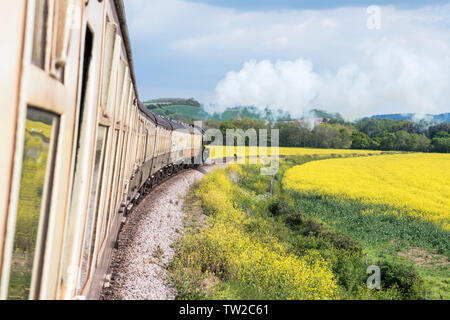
(172, 101)
(371, 134)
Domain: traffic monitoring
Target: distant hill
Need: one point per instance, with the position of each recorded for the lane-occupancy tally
(177, 108)
(172, 101)
(181, 112)
(190, 109)
(252, 113)
(445, 117)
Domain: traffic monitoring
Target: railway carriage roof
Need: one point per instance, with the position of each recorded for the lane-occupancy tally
(163, 122)
(177, 125)
(150, 115)
(199, 129)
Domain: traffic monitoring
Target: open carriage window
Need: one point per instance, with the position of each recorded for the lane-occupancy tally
(63, 23)
(110, 40)
(41, 15)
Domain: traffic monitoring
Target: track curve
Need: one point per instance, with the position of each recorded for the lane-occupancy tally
(139, 265)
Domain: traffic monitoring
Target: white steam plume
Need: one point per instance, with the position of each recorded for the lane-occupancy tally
(289, 86)
(390, 79)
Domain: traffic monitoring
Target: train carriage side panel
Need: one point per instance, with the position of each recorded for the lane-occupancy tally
(130, 154)
(150, 149)
(198, 146)
(177, 143)
(11, 65)
(107, 216)
(157, 162)
(122, 178)
(163, 144)
(121, 131)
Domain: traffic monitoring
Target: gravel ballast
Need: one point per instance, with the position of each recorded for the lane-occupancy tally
(139, 265)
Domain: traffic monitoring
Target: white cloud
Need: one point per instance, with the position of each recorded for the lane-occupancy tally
(389, 79)
(297, 59)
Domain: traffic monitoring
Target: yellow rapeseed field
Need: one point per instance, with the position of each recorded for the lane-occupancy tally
(219, 151)
(416, 184)
(262, 263)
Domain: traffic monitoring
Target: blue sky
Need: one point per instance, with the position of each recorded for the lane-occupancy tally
(315, 4)
(294, 55)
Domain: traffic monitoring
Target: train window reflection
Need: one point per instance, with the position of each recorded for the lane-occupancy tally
(93, 203)
(41, 132)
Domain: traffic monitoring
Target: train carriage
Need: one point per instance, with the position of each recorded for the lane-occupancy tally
(78, 148)
(163, 145)
(197, 145)
(181, 147)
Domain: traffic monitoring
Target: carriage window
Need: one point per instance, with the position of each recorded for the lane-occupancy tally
(110, 39)
(138, 137)
(41, 133)
(93, 203)
(124, 99)
(150, 141)
(120, 83)
(146, 146)
(129, 106)
(111, 193)
(40, 33)
(62, 30)
(122, 165)
(62, 25)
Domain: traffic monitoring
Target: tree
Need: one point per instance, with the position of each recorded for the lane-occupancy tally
(329, 136)
(434, 130)
(293, 134)
(402, 141)
(361, 141)
(419, 142)
(346, 139)
(441, 142)
(388, 142)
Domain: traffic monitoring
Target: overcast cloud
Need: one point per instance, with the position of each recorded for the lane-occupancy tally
(293, 59)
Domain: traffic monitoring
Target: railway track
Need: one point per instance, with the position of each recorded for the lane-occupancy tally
(139, 265)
